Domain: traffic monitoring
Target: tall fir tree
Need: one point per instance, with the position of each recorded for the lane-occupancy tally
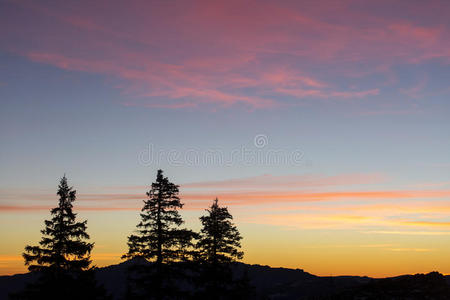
(63, 246)
(160, 240)
(219, 246)
(62, 258)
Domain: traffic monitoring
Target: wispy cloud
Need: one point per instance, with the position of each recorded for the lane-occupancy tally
(343, 201)
(426, 223)
(264, 197)
(400, 232)
(205, 55)
(336, 220)
(411, 249)
(33, 208)
(257, 190)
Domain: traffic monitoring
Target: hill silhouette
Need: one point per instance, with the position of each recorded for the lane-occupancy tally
(283, 283)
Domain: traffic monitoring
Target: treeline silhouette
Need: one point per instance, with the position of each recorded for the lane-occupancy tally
(168, 261)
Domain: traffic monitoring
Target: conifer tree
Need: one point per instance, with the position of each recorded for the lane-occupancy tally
(159, 239)
(62, 258)
(63, 246)
(219, 238)
(219, 245)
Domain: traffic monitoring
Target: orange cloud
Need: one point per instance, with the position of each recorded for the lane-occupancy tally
(313, 221)
(399, 232)
(336, 220)
(9, 258)
(411, 249)
(426, 223)
(406, 207)
(251, 198)
(237, 196)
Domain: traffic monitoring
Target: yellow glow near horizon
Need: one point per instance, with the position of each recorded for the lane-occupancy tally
(319, 251)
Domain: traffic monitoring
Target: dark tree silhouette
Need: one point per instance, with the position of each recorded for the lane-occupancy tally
(219, 238)
(62, 248)
(218, 246)
(62, 258)
(159, 240)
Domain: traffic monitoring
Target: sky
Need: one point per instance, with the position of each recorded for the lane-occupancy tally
(323, 126)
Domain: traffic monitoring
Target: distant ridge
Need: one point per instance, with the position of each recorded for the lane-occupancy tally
(283, 283)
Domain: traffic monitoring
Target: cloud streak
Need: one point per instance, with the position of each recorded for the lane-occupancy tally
(343, 201)
(198, 200)
(207, 55)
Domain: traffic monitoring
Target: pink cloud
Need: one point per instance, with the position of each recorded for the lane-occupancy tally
(301, 93)
(255, 54)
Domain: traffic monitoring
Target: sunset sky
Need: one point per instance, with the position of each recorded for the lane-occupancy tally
(323, 126)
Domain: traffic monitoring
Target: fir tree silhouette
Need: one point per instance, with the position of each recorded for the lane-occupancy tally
(160, 240)
(62, 258)
(219, 246)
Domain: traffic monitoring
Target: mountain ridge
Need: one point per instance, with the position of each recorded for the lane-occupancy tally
(268, 282)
